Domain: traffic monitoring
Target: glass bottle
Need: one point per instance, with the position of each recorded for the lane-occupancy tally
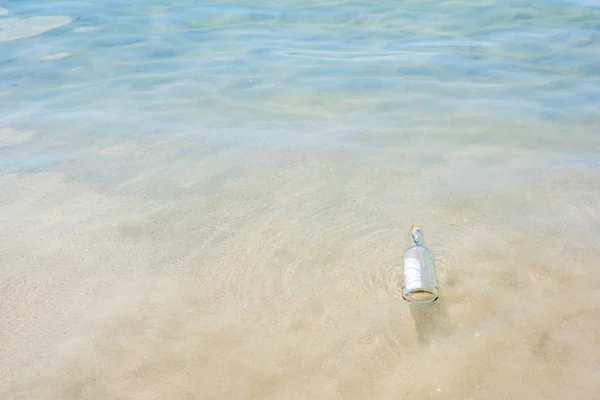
(419, 284)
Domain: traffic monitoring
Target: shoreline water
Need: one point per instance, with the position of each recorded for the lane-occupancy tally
(212, 200)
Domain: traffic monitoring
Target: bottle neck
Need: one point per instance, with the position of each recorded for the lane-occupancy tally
(416, 236)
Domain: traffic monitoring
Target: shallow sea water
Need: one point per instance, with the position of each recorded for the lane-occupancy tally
(211, 199)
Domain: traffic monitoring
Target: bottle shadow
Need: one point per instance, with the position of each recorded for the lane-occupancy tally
(431, 320)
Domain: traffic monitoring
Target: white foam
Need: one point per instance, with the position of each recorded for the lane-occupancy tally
(19, 28)
(10, 137)
(3, 11)
(55, 56)
(86, 29)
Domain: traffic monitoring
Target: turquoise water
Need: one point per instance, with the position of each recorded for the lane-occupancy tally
(207, 198)
(324, 71)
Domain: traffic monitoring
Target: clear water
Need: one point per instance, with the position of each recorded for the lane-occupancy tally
(209, 199)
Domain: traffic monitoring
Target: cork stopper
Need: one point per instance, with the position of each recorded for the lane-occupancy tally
(416, 235)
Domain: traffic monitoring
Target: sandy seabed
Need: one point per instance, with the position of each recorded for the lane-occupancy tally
(241, 273)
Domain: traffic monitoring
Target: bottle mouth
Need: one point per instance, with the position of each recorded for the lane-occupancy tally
(420, 296)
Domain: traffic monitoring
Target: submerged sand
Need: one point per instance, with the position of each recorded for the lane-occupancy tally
(245, 273)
